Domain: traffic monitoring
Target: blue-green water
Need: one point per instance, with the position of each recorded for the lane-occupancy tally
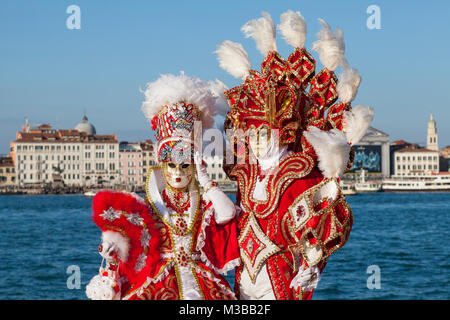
(404, 235)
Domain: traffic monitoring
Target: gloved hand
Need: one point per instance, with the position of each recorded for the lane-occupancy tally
(108, 251)
(224, 209)
(307, 278)
(202, 173)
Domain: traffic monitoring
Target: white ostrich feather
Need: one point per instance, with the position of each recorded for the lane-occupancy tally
(170, 89)
(330, 46)
(233, 59)
(348, 83)
(218, 89)
(262, 30)
(293, 28)
(356, 123)
(332, 150)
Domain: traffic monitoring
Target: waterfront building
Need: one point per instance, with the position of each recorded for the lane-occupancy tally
(214, 168)
(148, 156)
(131, 164)
(73, 157)
(395, 146)
(135, 159)
(372, 154)
(414, 160)
(7, 174)
(432, 136)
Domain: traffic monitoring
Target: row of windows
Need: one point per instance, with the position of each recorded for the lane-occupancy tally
(133, 179)
(99, 166)
(99, 155)
(39, 158)
(7, 170)
(45, 166)
(419, 158)
(418, 167)
(139, 164)
(133, 155)
(46, 176)
(61, 147)
(219, 165)
(4, 179)
(87, 166)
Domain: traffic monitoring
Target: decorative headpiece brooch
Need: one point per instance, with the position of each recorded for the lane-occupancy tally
(173, 104)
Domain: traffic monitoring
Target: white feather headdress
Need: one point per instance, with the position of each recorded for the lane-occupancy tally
(293, 28)
(330, 46)
(262, 30)
(331, 148)
(233, 59)
(170, 89)
(348, 83)
(356, 122)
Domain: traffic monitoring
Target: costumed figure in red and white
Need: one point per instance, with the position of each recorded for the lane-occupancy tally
(294, 215)
(175, 243)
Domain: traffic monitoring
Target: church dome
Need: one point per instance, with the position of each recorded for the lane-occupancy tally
(85, 126)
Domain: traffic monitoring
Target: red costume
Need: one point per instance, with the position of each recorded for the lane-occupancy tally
(175, 243)
(294, 215)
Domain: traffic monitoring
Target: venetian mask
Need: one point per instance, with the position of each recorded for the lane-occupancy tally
(259, 140)
(177, 176)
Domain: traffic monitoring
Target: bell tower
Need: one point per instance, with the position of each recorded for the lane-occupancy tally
(432, 137)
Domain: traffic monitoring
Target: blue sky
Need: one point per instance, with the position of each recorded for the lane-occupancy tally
(51, 74)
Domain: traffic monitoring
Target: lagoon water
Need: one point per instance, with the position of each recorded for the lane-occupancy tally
(401, 237)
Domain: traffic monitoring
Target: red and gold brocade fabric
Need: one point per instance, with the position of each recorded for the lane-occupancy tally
(151, 270)
(305, 216)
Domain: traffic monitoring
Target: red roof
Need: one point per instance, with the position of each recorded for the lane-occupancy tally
(400, 142)
(415, 149)
(63, 136)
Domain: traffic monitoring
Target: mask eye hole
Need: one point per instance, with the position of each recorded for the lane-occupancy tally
(172, 165)
(185, 166)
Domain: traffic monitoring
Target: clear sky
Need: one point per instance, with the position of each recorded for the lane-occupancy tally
(50, 74)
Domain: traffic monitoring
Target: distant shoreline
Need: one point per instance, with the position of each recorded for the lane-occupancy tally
(349, 195)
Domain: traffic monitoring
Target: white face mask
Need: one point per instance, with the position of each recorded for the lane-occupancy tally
(178, 176)
(259, 140)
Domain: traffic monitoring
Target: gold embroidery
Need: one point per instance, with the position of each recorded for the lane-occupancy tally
(294, 166)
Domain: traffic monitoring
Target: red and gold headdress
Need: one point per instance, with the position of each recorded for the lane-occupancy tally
(287, 94)
(173, 104)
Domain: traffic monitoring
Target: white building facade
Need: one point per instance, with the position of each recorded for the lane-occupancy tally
(214, 167)
(416, 161)
(45, 156)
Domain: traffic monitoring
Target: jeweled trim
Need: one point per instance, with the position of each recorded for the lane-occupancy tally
(293, 166)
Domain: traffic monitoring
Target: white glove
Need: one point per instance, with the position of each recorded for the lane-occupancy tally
(202, 173)
(307, 278)
(108, 251)
(224, 209)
